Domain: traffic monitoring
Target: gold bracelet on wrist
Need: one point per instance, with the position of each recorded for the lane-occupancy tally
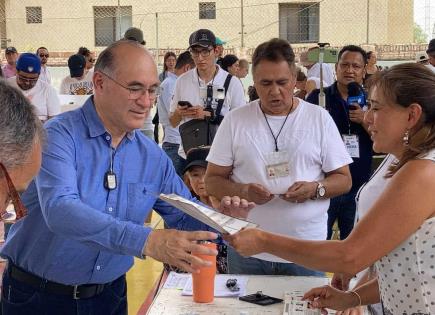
(357, 295)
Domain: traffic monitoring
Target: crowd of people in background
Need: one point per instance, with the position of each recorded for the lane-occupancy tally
(307, 168)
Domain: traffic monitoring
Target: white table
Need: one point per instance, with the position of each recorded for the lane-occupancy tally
(170, 301)
(71, 102)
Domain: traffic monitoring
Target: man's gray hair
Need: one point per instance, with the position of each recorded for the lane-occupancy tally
(20, 128)
(106, 61)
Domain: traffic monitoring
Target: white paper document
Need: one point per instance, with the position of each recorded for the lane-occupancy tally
(293, 304)
(220, 286)
(220, 222)
(176, 280)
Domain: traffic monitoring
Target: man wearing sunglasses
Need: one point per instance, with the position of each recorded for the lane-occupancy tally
(43, 55)
(99, 180)
(42, 95)
(21, 135)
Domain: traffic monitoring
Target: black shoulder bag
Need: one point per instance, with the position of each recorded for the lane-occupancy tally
(201, 132)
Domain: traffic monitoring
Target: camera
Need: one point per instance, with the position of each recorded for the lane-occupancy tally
(329, 55)
(218, 92)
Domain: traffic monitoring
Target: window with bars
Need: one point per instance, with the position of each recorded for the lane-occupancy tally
(33, 15)
(299, 22)
(110, 23)
(207, 10)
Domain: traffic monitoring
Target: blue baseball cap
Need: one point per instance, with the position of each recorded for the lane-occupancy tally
(29, 63)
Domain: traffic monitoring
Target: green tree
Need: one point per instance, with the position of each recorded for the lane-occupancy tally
(419, 35)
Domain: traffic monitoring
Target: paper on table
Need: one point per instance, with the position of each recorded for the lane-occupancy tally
(176, 280)
(220, 287)
(293, 304)
(220, 222)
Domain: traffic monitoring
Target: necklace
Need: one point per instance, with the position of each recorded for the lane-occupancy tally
(275, 139)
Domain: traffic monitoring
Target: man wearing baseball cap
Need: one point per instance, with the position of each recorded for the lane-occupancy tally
(136, 34)
(42, 95)
(79, 82)
(220, 50)
(195, 85)
(9, 69)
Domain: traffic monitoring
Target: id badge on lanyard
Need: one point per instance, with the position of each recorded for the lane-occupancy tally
(351, 143)
(277, 164)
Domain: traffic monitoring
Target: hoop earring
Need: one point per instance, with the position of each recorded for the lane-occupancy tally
(406, 138)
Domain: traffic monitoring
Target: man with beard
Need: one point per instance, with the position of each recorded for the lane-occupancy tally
(43, 55)
(42, 95)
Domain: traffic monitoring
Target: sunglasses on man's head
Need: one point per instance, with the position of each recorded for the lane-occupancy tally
(44, 55)
(13, 196)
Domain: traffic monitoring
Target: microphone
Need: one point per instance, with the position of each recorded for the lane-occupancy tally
(356, 95)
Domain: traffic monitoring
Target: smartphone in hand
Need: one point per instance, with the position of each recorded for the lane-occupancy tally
(184, 103)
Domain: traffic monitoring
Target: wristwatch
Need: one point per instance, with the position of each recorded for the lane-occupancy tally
(320, 191)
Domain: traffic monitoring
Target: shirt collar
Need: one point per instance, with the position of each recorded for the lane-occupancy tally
(171, 75)
(196, 78)
(95, 125)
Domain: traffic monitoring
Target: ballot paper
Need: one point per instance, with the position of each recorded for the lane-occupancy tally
(220, 286)
(293, 304)
(220, 222)
(176, 280)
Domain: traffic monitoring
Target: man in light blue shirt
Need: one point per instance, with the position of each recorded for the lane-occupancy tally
(172, 140)
(98, 182)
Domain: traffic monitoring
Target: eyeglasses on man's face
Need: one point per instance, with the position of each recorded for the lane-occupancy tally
(12, 196)
(136, 92)
(348, 65)
(44, 55)
(203, 52)
(25, 82)
(91, 60)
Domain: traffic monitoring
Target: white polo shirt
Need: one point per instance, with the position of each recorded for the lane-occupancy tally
(189, 86)
(43, 96)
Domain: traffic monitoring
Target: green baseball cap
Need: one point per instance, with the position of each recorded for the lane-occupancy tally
(220, 42)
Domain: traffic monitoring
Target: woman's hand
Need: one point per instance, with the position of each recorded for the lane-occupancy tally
(329, 297)
(341, 281)
(359, 310)
(247, 242)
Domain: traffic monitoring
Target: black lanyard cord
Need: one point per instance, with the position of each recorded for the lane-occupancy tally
(275, 139)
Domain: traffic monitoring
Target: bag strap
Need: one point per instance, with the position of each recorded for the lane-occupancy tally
(221, 101)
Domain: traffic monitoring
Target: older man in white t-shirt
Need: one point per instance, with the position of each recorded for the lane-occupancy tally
(42, 95)
(282, 153)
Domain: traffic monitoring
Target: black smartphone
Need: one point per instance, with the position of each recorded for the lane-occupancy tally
(184, 103)
(260, 299)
